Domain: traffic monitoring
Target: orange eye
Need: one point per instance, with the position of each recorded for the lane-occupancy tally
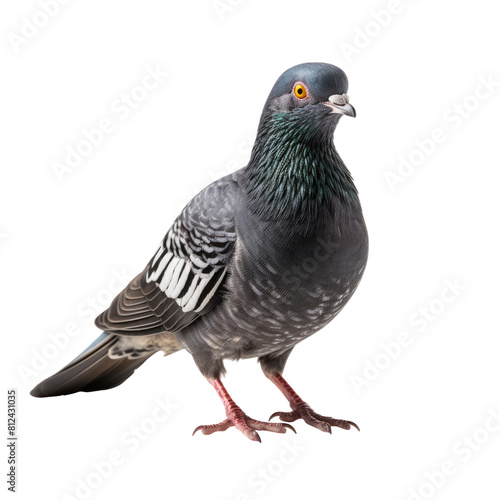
(300, 91)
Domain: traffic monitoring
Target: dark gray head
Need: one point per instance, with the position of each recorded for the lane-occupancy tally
(318, 85)
(294, 167)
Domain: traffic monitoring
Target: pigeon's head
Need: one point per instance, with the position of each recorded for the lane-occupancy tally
(294, 167)
(312, 92)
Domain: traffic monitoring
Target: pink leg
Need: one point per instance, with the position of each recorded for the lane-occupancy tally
(237, 418)
(300, 409)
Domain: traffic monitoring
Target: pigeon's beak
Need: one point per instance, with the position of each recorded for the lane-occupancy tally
(340, 104)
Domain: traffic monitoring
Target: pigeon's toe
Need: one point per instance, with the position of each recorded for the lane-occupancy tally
(245, 424)
(303, 411)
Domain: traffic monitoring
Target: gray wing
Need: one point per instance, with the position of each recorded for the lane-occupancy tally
(184, 278)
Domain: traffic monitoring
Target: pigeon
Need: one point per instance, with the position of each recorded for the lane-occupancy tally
(258, 261)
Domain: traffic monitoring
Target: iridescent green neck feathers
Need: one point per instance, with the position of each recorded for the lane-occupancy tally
(294, 170)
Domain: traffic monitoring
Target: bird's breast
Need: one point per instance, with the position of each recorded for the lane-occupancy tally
(286, 284)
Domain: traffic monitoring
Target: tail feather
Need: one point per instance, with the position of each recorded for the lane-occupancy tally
(92, 370)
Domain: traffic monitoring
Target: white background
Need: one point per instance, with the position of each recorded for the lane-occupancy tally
(64, 239)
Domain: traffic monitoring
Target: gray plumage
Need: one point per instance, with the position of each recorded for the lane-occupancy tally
(257, 262)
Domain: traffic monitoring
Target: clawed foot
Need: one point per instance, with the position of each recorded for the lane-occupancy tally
(247, 425)
(305, 412)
